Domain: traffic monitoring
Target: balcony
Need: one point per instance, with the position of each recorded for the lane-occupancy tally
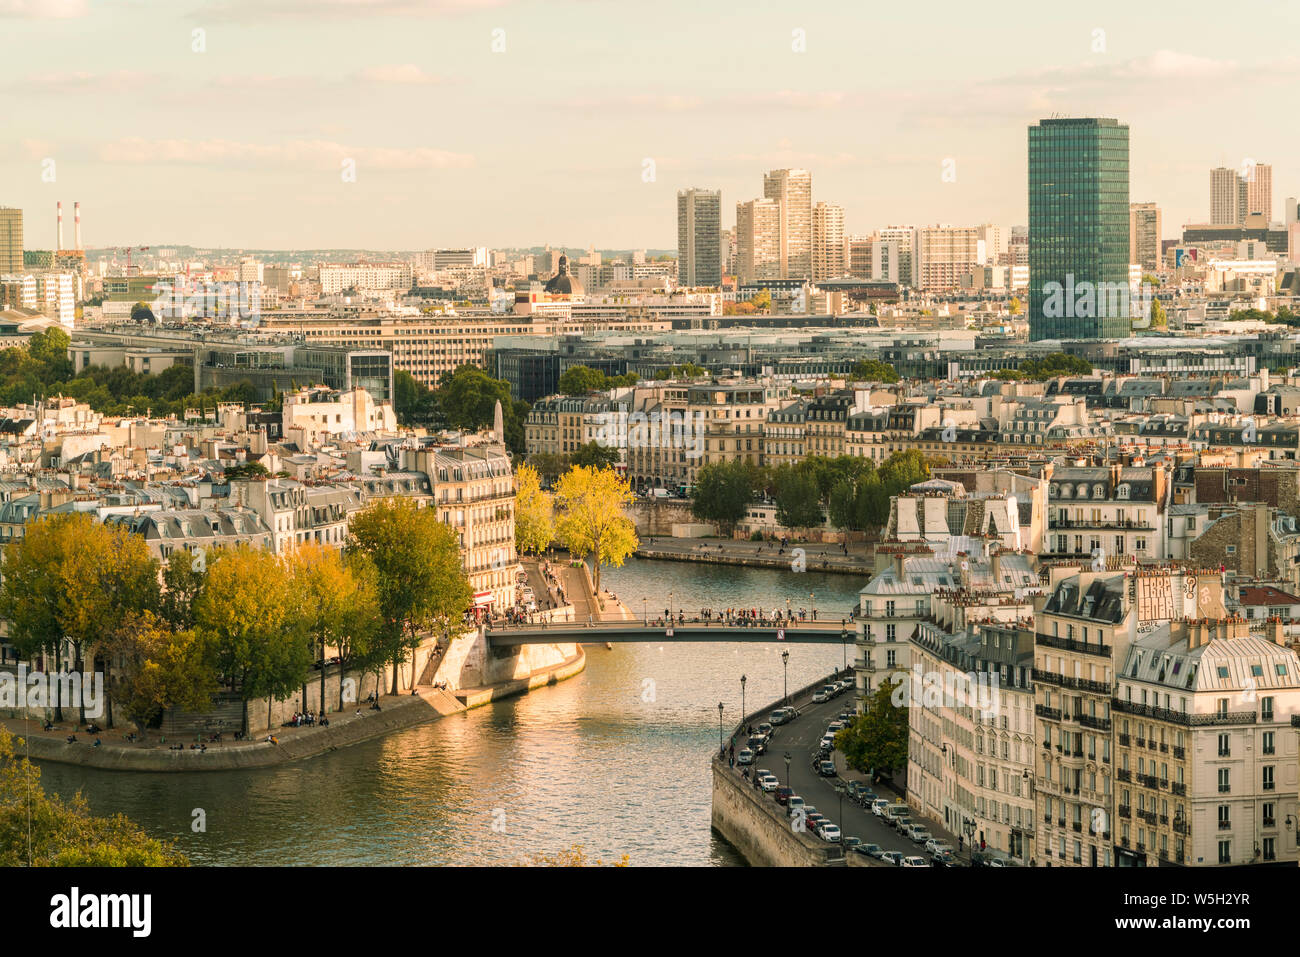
(1124, 740)
(1270, 822)
(1070, 644)
(1097, 724)
(1141, 742)
(1183, 718)
(1164, 747)
(1123, 774)
(1065, 681)
(1078, 827)
(1124, 811)
(1180, 752)
(1225, 825)
(1181, 826)
(1053, 714)
(1111, 523)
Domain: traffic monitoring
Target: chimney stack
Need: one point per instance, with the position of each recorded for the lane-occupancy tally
(76, 225)
(58, 239)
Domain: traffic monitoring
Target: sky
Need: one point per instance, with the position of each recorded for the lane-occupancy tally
(504, 123)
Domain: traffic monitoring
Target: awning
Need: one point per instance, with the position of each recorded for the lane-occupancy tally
(483, 598)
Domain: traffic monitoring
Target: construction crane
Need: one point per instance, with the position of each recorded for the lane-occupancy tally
(128, 250)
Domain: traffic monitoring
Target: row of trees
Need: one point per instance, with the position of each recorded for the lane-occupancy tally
(41, 367)
(851, 490)
(241, 619)
(581, 380)
(465, 399)
(586, 514)
(1048, 367)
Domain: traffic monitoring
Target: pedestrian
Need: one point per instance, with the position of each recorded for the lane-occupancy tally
(959, 840)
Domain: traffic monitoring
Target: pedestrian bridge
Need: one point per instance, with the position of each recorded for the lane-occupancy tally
(803, 632)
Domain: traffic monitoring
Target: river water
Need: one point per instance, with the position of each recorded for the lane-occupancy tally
(615, 759)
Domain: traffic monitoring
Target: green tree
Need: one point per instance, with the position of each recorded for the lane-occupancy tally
(581, 380)
(549, 465)
(341, 597)
(762, 299)
(876, 741)
(873, 370)
(798, 500)
(592, 520)
(594, 455)
(163, 669)
(247, 470)
(141, 312)
(723, 491)
(534, 512)
(42, 830)
(466, 399)
(902, 470)
(1159, 318)
(182, 581)
(71, 580)
(254, 625)
(421, 579)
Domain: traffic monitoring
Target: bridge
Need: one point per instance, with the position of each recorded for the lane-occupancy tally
(793, 632)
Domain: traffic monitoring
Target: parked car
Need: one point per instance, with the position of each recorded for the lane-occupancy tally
(793, 803)
(850, 842)
(783, 794)
(920, 835)
(871, 850)
(780, 716)
(769, 783)
(765, 730)
(820, 695)
(934, 845)
(756, 744)
(915, 861)
(902, 823)
(834, 726)
(828, 742)
(826, 769)
(814, 821)
(878, 806)
(891, 857)
(944, 859)
(830, 833)
(745, 756)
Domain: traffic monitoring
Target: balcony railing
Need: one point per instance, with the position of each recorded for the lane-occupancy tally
(1180, 752)
(1183, 718)
(1070, 644)
(1043, 711)
(1123, 774)
(1124, 740)
(1124, 811)
(1179, 789)
(1225, 825)
(1098, 724)
(1065, 681)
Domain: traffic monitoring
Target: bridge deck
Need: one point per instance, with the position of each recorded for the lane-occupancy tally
(625, 631)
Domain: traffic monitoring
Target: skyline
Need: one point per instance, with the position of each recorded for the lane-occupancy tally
(241, 145)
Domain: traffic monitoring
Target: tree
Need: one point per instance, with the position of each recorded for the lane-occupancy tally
(1159, 318)
(1016, 307)
(341, 597)
(762, 299)
(594, 455)
(247, 470)
(71, 579)
(182, 582)
(254, 625)
(902, 470)
(549, 465)
(1055, 364)
(798, 502)
(421, 580)
(467, 398)
(581, 380)
(42, 830)
(592, 521)
(723, 491)
(534, 512)
(876, 741)
(163, 670)
(873, 370)
(141, 312)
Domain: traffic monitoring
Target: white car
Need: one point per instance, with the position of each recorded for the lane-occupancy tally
(745, 756)
(820, 695)
(769, 783)
(920, 835)
(828, 742)
(830, 833)
(915, 862)
(936, 846)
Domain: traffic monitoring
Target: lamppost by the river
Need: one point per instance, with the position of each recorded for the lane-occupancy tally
(722, 748)
(785, 674)
(670, 607)
(743, 712)
(645, 611)
(787, 769)
(844, 641)
(812, 605)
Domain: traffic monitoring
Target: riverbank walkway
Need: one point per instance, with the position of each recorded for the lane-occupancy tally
(850, 559)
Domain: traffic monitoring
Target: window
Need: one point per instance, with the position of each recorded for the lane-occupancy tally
(1225, 781)
(1269, 783)
(1268, 745)
(1266, 709)
(1225, 852)
(1224, 748)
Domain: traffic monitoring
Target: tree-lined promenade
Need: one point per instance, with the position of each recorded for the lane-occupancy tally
(79, 595)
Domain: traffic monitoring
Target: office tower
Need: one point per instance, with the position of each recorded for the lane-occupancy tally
(11, 240)
(1144, 235)
(1259, 190)
(758, 240)
(792, 190)
(1228, 197)
(827, 241)
(1078, 229)
(857, 256)
(903, 270)
(699, 237)
(943, 254)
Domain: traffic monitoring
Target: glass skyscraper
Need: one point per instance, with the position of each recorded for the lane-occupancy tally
(1078, 229)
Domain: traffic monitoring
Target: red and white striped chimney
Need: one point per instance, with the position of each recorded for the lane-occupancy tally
(58, 239)
(76, 225)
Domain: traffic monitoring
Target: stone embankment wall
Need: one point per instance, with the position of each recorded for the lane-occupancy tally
(758, 827)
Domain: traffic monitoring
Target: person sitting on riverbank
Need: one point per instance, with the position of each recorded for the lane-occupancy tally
(72, 739)
(98, 742)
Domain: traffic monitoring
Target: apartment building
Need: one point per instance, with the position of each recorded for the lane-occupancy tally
(828, 247)
(369, 277)
(1206, 758)
(758, 240)
(791, 190)
(1106, 511)
(942, 255)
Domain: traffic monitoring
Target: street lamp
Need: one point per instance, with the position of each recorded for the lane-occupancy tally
(645, 611)
(812, 606)
(722, 748)
(670, 606)
(844, 641)
(743, 712)
(787, 769)
(785, 673)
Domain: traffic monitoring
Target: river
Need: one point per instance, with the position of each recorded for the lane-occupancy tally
(614, 759)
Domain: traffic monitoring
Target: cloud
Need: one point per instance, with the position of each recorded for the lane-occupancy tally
(403, 74)
(43, 9)
(318, 9)
(305, 154)
(756, 101)
(83, 82)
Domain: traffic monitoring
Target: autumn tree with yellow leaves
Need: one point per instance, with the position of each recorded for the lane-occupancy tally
(593, 520)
